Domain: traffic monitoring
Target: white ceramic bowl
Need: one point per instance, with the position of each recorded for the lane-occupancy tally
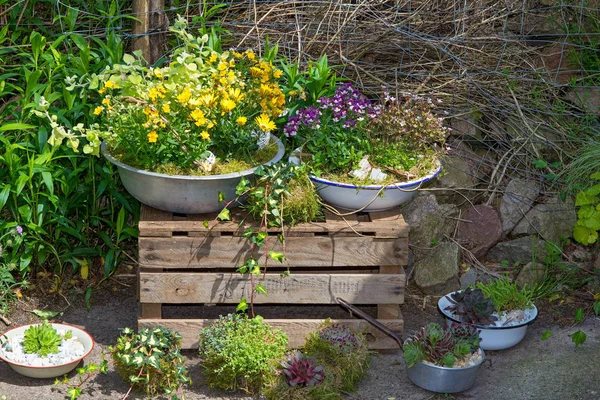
(494, 337)
(55, 370)
(370, 198)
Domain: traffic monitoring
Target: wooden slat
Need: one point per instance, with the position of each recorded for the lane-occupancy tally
(180, 287)
(296, 329)
(230, 252)
(389, 311)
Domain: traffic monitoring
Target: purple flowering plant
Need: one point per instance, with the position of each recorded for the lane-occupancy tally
(333, 133)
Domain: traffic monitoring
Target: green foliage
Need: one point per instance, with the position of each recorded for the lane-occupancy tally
(441, 346)
(588, 216)
(546, 335)
(41, 339)
(151, 361)
(344, 356)
(505, 295)
(239, 353)
(472, 306)
(578, 338)
(66, 207)
(85, 373)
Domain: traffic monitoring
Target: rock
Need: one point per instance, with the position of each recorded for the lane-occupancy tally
(483, 230)
(456, 173)
(530, 274)
(438, 273)
(552, 61)
(465, 126)
(520, 250)
(468, 278)
(516, 202)
(585, 98)
(428, 220)
(551, 221)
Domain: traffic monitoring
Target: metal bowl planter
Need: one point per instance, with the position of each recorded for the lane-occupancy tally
(183, 193)
(369, 198)
(494, 337)
(51, 371)
(443, 379)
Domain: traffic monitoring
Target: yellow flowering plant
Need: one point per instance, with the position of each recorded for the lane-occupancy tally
(172, 118)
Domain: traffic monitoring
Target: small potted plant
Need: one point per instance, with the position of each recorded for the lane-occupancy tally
(444, 360)
(150, 361)
(45, 350)
(498, 308)
(240, 353)
(189, 130)
(366, 156)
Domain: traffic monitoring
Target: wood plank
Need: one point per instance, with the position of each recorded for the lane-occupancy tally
(148, 310)
(180, 287)
(230, 252)
(296, 329)
(389, 311)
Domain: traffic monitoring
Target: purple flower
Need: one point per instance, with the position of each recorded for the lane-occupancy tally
(19, 230)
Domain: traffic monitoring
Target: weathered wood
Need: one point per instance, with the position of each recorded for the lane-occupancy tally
(148, 310)
(389, 311)
(296, 329)
(181, 287)
(230, 252)
(149, 28)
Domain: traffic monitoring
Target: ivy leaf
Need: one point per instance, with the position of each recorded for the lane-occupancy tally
(579, 314)
(221, 197)
(260, 289)
(73, 393)
(45, 314)
(597, 308)
(205, 224)
(584, 235)
(242, 306)
(539, 163)
(224, 215)
(546, 334)
(277, 256)
(578, 338)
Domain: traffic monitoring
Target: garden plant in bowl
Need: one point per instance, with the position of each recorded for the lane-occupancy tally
(498, 308)
(184, 133)
(45, 350)
(444, 360)
(366, 156)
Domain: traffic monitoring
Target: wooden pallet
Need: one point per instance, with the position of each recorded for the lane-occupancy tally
(359, 259)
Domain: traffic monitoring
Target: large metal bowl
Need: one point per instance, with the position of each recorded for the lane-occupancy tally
(182, 193)
(442, 379)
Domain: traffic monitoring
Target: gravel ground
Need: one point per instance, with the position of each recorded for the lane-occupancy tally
(533, 370)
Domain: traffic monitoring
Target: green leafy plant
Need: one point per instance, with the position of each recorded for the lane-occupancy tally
(506, 296)
(41, 339)
(240, 353)
(472, 306)
(441, 346)
(588, 215)
(151, 361)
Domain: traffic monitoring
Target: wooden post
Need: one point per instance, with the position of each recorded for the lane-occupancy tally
(149, 36)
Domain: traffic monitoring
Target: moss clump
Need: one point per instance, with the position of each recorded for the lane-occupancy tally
(239, 353)
(344, 356)
(301, 204)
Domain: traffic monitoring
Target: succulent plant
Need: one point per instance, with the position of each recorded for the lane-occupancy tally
(339, 336)
(41, 339)
(471, 306)
(300, 370)
(441, 346)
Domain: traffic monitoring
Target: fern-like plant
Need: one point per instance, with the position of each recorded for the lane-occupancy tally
(41, 339)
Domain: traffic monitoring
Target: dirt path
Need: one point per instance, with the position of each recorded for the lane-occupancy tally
(534, 370)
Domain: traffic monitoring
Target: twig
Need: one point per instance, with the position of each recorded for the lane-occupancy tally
(5, 320)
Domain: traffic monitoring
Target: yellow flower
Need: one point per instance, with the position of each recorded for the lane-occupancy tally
(205, 135)
(98, 110)
(184, 96)
(152, 137)
(237, 54)
(207, 99)
(277, 74)
(256, 72)
(158, 73)
(264, 90)
(213, 58)
(264, 123)
(110, 85)
(241, 121)
(250, 55)
(153, 94)
(198, 117)
(235, 94)
(106, 101)
(166, 108)
(227, 105)
(222, 66)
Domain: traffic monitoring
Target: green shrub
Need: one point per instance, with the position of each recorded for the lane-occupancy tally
(588, 216)
(239, 353)
(151, 361)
